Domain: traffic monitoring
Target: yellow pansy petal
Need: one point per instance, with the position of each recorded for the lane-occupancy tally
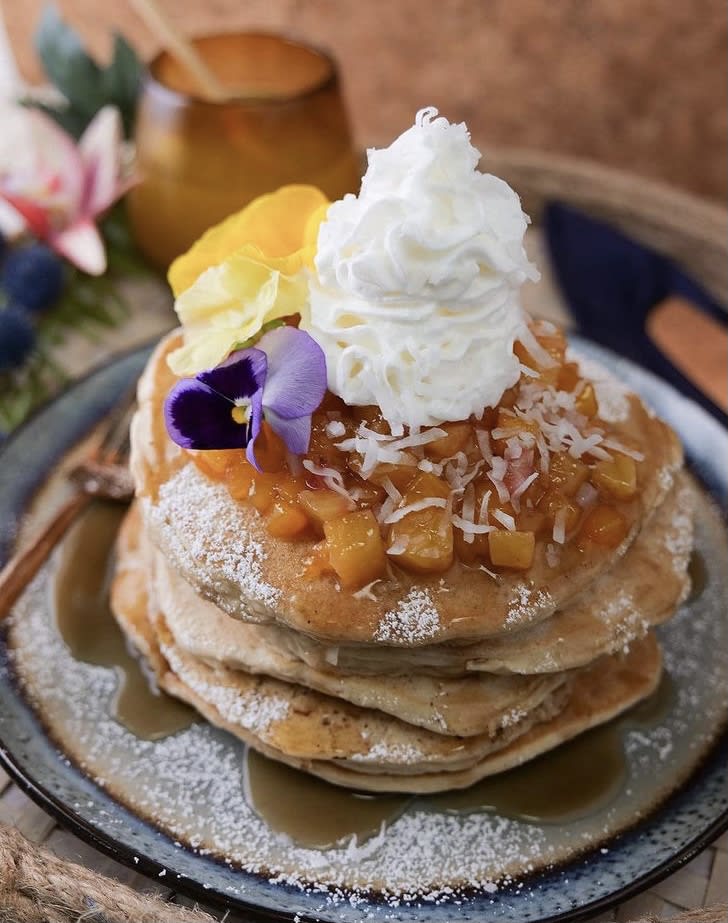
(232, 284)
(311, 230)
(276, 223)
(287, 265)
(227, 305)
(199, 353)
(273, 224)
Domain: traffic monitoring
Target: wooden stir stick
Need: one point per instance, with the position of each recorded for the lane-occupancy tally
(181, 49)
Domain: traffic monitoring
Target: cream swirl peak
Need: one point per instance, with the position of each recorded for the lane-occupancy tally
(415, 302)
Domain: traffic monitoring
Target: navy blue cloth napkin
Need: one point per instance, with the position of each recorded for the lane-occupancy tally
(611, 283)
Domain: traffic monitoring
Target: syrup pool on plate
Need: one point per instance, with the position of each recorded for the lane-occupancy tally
(84, 619)
(575, 780)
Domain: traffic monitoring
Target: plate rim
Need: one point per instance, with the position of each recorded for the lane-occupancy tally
(139, 861)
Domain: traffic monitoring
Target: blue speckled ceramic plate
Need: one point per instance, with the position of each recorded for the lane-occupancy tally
(124, 797)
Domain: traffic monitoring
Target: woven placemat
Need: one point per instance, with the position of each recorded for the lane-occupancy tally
(38, 887)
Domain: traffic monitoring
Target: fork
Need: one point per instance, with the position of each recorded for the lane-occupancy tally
(104, 473)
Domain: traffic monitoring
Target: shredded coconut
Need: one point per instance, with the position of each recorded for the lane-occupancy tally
(504, 519)
(335, 429)
(415, 507)
(366, 591)
(559, 532)
(332, 478)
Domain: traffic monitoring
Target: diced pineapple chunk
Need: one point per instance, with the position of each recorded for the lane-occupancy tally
(323, 505)
(605, 526)
(286, 520)
(399, 475)
(514, 550)
(474, 546)
(425, 484)
(553, 503)
(214, 462)
(457, 438)
(567, 474)
(270, 450)
(426, 537)
(509, 421)
(586, 400)
(470, 552)
(555, 345)
(533, 520)
(289, 486)
(356, 549)
(569, 376)
(263, 491)
(239, 479)
(616, 477)
(507, 426)
(367, 493)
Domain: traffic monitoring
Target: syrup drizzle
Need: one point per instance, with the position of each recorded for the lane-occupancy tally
(81, 602)
(698, 573)
(575, 780)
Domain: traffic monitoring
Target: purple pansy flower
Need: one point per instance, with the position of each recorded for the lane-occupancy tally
(281, 379)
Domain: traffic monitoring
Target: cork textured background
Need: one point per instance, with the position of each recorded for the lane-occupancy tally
(636, 84)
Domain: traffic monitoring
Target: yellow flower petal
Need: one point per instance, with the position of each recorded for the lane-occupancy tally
(311, 230)
(227, 305)
(274, 227)
(199, 353)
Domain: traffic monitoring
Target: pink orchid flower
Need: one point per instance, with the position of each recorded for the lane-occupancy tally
(59, 187)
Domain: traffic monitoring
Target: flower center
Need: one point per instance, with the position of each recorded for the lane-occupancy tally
(241, 411)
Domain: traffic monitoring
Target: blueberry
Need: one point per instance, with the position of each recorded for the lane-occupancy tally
(32, 276)
(17, 337)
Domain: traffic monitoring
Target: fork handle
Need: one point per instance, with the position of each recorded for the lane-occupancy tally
(24, 565)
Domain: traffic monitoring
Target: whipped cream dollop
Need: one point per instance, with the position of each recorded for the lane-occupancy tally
(415, 302)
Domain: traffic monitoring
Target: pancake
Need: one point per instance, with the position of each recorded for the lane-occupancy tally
(224, 551)
(464, 706)
(361, 747)
(641, 591)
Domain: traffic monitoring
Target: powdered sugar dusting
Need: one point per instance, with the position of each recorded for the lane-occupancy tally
(665, 478)
(526, 604)
(413, 621)
(625, 619)
(383, 752)
(190, 784)
(206, 531)
(249, 709)
(513, 717)
(612, 396)
(679, 537)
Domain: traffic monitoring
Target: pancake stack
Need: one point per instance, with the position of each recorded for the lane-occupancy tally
(415, 683)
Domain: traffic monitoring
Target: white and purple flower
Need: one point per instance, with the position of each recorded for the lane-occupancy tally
(281, 379)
